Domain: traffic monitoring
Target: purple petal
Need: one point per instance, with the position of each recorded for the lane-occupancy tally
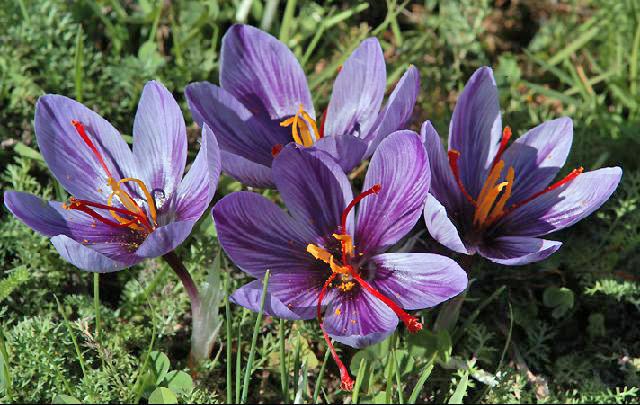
(86, 258)
(257, 235)
(238, 131)
(537, 156)
(263, 73)
(348, 151)
(443, 185)
(159, 139)
(563, 206)
(357, 92)
(249, 296)
(358, 319)
(398, 110)
(401, 167)
(299, 291)
(245, 171)
(50, 219)
(417, 280)
(313, 187)
(518, 250)
(164, 239)
(476, 128)
(440, 226)
(196, 190)
(69, 158)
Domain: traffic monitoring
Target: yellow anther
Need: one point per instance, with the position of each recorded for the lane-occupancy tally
(487, 209)
(150, 201)
(338, 312)
(301, 127)
(348, 242)
(321, 254)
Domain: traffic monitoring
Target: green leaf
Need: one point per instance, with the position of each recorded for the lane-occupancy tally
(163, 395)
(65, 399)
(160, 365)
(179, 382)
(461, 390)
(561, 299)
(16, 277)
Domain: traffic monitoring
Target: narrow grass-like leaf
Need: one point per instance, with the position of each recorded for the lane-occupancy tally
(6, 382)
(229, 339)
(461, 390)
(424, 376)
(287, 20)
(356, 389)
(459, 332)
(578, 43)
(96, 302)
(73, 337)
(79, 57)
(316, 391)
(398, 377)
(254, 339)
(284, 373)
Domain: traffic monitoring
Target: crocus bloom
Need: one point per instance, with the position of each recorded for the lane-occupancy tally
(126, 205)
(497, 200)
(320, 258)
(264, 103)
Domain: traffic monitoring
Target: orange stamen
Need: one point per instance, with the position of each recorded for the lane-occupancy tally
(453, 162)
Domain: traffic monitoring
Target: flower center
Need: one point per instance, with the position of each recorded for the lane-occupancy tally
(490, 203)
(130, 215)
(348, 279)
(304, 130)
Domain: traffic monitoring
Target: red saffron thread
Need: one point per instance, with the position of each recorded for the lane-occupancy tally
(453, 162)
(83, 134)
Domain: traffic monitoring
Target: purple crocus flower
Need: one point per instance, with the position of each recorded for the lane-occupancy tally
(495, 200)
(264, 103)
(126, 205)
(319, 257)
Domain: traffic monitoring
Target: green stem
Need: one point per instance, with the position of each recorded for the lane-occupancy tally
(254, 339)
(229, 380)
(96, 302)
(285, 28)
(327, 354)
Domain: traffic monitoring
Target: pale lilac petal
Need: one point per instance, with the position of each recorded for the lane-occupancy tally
(348, 151)
(86, 258)
(50, 219)
(249, 296)
(537, 156)
(357, 92)
(165, 239)
(69, 158)
(518, 250)
(417, 280)
(476, 128)
(257, 235)
(237, 129)
(299, 291)
(440, 226)
(263, 73)
(563, 206)
(245, 171)
(159, 139)
(443, 185)
(196, 190)
(401, 167)
(358, 319)
(397, 112)
(313, 187)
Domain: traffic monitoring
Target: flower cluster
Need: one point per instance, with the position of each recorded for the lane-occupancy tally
(331, 255)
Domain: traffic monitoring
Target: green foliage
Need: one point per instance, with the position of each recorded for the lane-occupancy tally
(563, 330)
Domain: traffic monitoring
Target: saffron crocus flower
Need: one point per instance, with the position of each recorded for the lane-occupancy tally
(126, 205)
(264, 103)
(498, 200)
(321, 260)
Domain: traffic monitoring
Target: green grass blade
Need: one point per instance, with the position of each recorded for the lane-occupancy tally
(79, 57)
(229, 338)
(73, 337)
(284, 373)
(461, 390)
(356, 389)
(287, 19)
(398, 377)
(254, 339)
(424, 376)
(96, 301)
(316, 391)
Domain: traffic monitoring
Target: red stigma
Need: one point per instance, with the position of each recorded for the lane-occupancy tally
(453, 162)
(506, 135)
(275, 151)
(569, 177)
(83, 134)
(346, 380)
(322, 120)
(373, 190)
